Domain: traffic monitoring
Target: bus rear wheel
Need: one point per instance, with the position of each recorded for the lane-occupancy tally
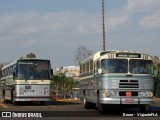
(87, 105)
(4, 97)
(143, 108)
(43, 102)
(15, 102)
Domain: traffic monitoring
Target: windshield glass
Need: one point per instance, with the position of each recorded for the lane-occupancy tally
(114, 65)
(141, 66)
(33, 69)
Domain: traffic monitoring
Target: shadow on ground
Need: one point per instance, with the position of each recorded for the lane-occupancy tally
(37, 103)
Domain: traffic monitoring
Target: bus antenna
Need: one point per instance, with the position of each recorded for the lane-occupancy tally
(103, 26)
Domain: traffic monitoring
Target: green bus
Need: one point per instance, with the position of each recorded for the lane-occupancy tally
(26, 79)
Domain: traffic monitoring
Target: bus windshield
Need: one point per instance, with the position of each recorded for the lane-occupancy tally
(32, 69)
(141, 66)
(114, 65)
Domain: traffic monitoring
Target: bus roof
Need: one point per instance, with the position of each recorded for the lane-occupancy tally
(15, 61)
(99, 54)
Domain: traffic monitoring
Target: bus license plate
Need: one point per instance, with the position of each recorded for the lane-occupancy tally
(34, 99)
(129, 100)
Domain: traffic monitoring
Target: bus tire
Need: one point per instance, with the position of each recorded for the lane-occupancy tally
(100, 107)
(143, 108)
(43, 102)
(4, 98)
(12, 99)
(15, 103)
(86, 104)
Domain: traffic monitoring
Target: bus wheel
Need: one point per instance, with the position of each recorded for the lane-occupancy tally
(15, 103)
(86, 104)
(100, 107)
(4, 99)
(143, 108)
(43, 102)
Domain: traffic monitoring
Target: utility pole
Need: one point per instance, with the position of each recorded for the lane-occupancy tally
(103, 26)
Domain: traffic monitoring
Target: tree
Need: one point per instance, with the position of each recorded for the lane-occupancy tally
(156, 61)
(81, 53)
(62, 83)
(69, 84)
(30, 55)
(1, 65)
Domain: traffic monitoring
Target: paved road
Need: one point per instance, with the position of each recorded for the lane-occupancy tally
(76, 110)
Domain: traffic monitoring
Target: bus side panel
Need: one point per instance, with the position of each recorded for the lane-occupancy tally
(90, 88)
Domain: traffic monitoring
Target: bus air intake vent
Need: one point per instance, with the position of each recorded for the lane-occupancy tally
(128, 84)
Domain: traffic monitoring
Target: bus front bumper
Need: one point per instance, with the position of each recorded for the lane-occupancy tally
(128, 100)
(31, 99)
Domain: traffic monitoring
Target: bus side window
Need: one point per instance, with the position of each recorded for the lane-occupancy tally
(97, 66)
(91, 66)
(81, 69)
(94, 69)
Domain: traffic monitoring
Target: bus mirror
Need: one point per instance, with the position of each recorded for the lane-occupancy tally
(14, 75)
(52, 71)
(99, 71)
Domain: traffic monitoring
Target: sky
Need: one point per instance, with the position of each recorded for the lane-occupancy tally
(54, 29)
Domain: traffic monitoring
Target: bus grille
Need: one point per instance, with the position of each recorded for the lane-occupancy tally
(128, 84)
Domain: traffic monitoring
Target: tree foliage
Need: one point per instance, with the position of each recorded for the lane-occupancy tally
(1, 65)
(156, 61)
(31, 55)
(61, 82)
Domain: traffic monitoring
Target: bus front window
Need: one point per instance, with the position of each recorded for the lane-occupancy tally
(141, 66)
(33, 70)
(114, 65)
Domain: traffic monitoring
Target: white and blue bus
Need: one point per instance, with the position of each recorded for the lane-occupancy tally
(117, 78)
(26, 79)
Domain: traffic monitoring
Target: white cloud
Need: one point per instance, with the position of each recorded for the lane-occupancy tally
(116, 21)
(142, 5)
(32, 28)
(151, 21)
(58, 33)
(142, 12)
(22, 26)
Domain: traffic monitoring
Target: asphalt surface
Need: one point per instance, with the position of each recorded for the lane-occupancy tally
(75, 110)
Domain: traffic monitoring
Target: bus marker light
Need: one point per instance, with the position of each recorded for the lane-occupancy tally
(128, 94)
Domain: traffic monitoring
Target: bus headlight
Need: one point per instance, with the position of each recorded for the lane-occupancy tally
(46, 91)
(146, 94)
(109, 93)
(142, 94)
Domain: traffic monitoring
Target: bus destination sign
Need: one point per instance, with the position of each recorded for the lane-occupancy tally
(128, 55)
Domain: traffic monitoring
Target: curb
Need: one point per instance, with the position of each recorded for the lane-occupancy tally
(4, 106)
(67, 100)
(157, 99)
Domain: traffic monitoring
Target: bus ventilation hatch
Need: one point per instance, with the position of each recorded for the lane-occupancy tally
(128, 84)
